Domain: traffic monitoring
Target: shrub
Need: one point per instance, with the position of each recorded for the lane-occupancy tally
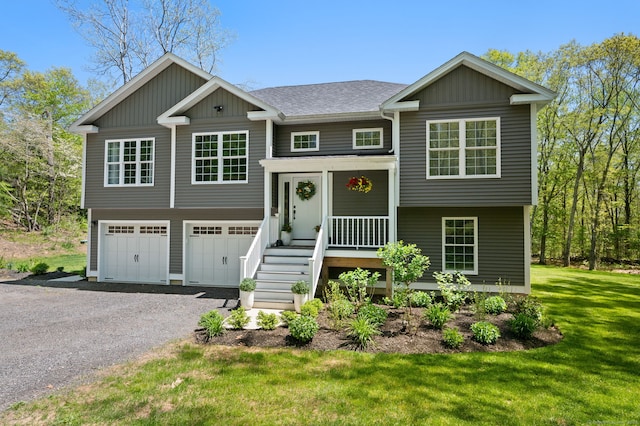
(529, 306)
(303, 328)
(60, 268)
(452, 338)
(39, 268)
(238, 319)
(341, 310)
(287, 316)
(484, 332)
(495, 305)
(400, 298)
(300, 287)
(332, 292)
(213, 323)
(438, 315)
(22, 267)
(311, 308)
(374, 314)
(523, 326)
(453, 288)
(267, 321)
(362, 331)
(420, 299)
(248, 284)
(356, 283)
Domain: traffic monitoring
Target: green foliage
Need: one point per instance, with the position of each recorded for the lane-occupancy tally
(452, 338)
(311, 307)
(362, 331)
(267, 321)
(60, 268)
(357, 282)
(530, 306)
(238, 319)
(407, 261)
(339, 311)
(438, 315)
(287, 316)
(399, 298)
(495, 305)
(453, 288)
(372, 313)
(420, 299)
(523, 325)
(300, 287)
(213, 323)
(248, 284)
(484, 332)
(23, 266)
(303, 328)
(332, 292)
(39, 268)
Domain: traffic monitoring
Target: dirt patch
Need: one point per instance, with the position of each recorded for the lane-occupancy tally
(394, 338)
(18, 244)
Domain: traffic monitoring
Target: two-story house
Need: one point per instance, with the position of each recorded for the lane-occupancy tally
(188, 179)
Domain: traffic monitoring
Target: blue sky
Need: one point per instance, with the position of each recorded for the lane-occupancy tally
(283, 42)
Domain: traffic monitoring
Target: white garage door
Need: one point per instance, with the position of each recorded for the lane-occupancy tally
(134, 253)
(213, 251)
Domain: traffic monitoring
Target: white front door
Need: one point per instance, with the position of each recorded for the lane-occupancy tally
(303, 213)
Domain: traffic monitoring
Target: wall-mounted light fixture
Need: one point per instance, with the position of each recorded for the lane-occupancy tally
(94, 222)
(218, 108)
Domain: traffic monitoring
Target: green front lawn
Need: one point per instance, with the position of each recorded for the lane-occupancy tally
(591, 377)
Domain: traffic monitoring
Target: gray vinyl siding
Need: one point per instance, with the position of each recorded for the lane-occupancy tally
(243, 195)
(335, 138)
(154, 98)
(463, 94)
(500, 240)
(99, 196)
(353, 203)
(175, 217)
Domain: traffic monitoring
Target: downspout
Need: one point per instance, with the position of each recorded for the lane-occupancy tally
(394, 175)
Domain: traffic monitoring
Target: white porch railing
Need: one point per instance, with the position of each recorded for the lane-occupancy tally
(358, 231)
(250, 262)
(315, 261)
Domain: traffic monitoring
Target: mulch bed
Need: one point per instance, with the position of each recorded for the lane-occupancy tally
(395, 337)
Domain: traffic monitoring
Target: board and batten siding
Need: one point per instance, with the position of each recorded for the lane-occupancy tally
(335, 138)
(501, 240)
(464, 94)
(229, 195)
(99, 196)
(154, 98)
(176, 217)
(353, 203)
(232, 106)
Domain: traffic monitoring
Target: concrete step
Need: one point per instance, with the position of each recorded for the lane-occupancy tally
(288, 251)
(283, 275)
(303, 243)
(284, 267)
(273, 304)
(282, 295)
(299, 260)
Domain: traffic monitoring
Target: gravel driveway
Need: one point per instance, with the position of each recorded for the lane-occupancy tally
(54, 334)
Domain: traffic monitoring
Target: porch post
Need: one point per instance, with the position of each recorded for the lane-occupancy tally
(325, 202)
(267, 204)
(392, 204)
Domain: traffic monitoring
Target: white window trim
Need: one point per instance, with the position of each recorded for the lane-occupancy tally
(121, 162)
(376, 129)
(461, 149)
(475, 245)
(317, 135)
(220, 158)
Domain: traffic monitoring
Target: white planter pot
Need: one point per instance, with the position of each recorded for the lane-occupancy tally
(285, 237)
(246, 299)
(298, 301)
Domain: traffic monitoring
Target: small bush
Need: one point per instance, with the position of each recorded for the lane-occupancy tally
(300, 287)
(22, 267)
(420, 299)
(238, 319)
(523, 326)
(311, 308)
(60, 268)
(303, 328)
(213, 323)
(248, 284)
(267, 321)
(341, 309)
(452, 338)
(438, 315)
(529, 306)
(400, 298)
(453, 288)
(39, 268)
(332, 292)
(495, 305)
(67, 245)
(362, 331)
(287, 316)
(484, 332)
(374, 314)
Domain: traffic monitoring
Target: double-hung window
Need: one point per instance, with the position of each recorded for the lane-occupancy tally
(220, 157)
(467, 148)
(305, 141)
(460, 244)
(129, 162)
(367, 138)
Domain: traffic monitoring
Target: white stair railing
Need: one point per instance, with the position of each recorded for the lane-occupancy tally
(359, 231)
(250, 262)
(316, 260)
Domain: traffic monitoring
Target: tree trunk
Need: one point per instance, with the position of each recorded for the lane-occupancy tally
(566, 253)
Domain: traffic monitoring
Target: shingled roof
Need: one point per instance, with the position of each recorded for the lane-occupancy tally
(329, 98)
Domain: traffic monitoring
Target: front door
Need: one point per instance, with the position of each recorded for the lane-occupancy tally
(304, 212)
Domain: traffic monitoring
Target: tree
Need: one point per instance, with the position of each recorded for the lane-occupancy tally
(128, 35)
(10, 68)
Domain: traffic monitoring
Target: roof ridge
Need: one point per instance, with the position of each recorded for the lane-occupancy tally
(330, 83)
